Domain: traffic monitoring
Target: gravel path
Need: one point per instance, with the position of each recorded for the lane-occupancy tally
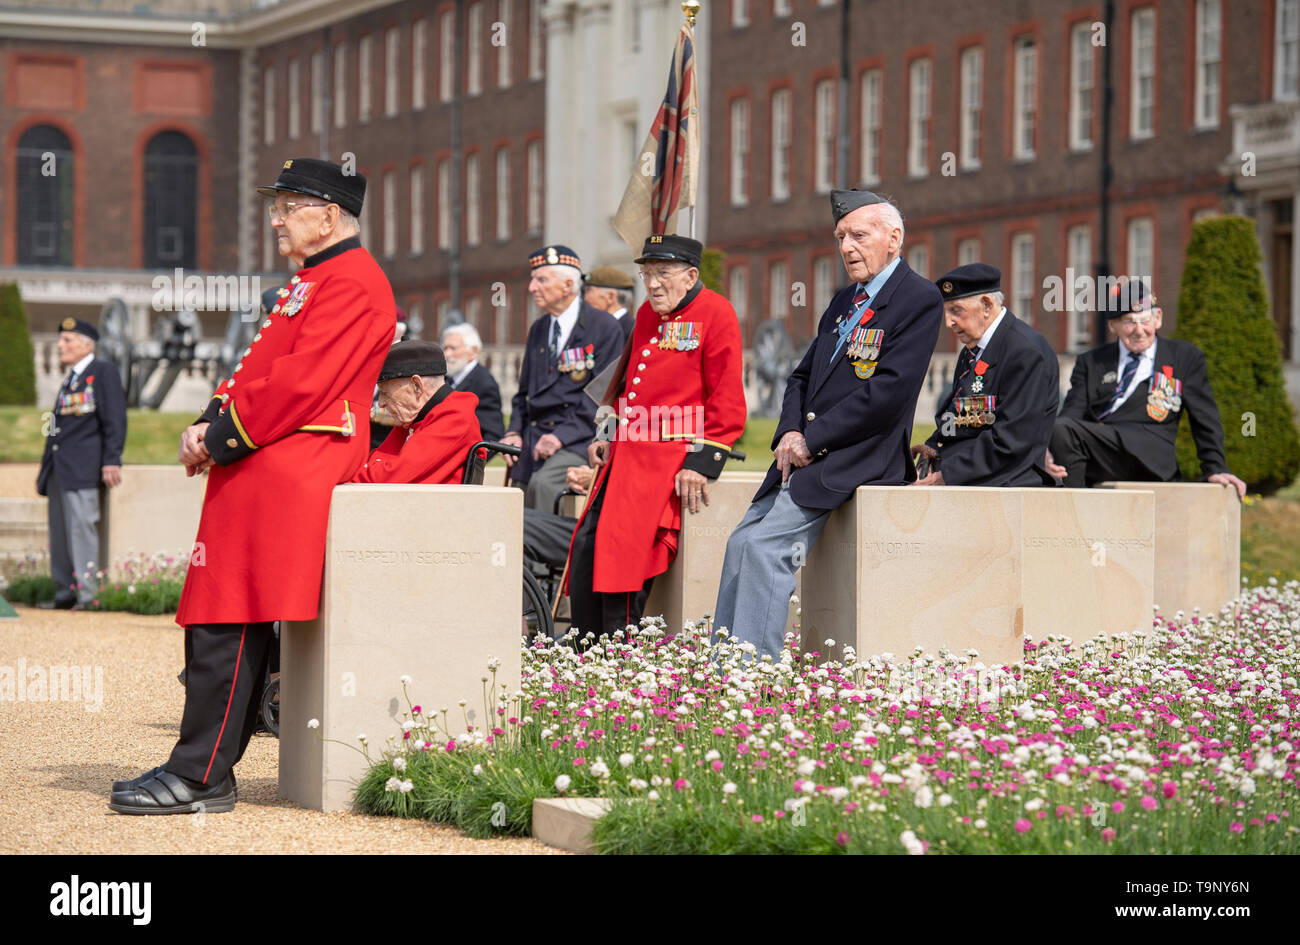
(58, 758)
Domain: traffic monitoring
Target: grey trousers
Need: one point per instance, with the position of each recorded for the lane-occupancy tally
(74, 541)
(547, 482)
(758, 573)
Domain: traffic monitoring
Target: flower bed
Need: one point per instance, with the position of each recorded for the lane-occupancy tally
(1179, 740)
(140, 583)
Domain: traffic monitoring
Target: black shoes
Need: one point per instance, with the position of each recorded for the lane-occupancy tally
(56, 604)
(166, 793)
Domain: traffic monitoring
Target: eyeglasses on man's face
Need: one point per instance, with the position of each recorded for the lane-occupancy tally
(1132, 321)
(651, 274)
(278, 211)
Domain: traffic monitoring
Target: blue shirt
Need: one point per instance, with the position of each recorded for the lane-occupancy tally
(873, 287)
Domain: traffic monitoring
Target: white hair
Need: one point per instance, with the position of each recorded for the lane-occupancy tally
(998, 298)
(891, 217)
(468, 334)
(349, 222)
(563, 271)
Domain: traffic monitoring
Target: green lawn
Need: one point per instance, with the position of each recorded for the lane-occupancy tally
(151, 437)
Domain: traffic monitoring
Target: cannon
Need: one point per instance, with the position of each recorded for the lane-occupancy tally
(174, 346)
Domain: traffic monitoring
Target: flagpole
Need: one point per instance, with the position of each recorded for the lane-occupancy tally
(691, 9)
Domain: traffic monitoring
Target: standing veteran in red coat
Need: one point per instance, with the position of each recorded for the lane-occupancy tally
(682, 407)
(435, 425)
(290, 424)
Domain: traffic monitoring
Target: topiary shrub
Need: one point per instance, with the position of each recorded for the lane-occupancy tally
(17, 361)
(711, 270)
(1223, 310)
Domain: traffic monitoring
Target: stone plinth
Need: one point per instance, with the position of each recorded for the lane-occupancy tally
(18, 480)
(156, 508)
(963, 567)
(24, 526)
(566, 822)
(1198, 543)
(424, 581)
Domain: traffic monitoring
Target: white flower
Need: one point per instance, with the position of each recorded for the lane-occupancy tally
(419, 744)
(1247, 786)
(478, 770)
(653, 795)
(712, 755)
(911, 844)
(399, 764)
(626, 759)
(406, 787)
(361, 739)
(838, 793)
(637, 784)
(599, 769)
(981, 824)
(923, 797)
(945, 800)
(405, 680)
(729, 788)
(130, 588)
(408, 725)
(313, 723)
(392, 784)
(562, 782)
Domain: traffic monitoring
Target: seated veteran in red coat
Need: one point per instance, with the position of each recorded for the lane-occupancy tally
(1120, 418)
(290, 424)
(434, 426)
(993, 428)
(681, 406)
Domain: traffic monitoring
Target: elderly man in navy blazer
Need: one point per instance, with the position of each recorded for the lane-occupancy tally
(993, 428)
(551, 417)
(846, 420)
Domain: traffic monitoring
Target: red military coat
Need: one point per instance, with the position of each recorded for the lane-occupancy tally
(684, 388)
(433, 449)
(289, 425)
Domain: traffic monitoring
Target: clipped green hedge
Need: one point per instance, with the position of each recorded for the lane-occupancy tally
(17, 361)
(1223, 310)
(711, 269)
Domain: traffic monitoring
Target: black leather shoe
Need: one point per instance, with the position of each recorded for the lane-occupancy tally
(121, 786)
(56, 604)
(167, 793)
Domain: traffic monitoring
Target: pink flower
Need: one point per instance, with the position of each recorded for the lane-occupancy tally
(1022, 825)
(680, 784)
(578, 762)
(415, 710)
(842, 838)
(757, 818)
(1064, 810)
(1117, 807)
(717, 766)
(1169, 789)
(1108, 835)
(1149, 803)
(1236, 827)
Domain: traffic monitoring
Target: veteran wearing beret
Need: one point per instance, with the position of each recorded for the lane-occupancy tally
(551, 418)
(679, 399)
(610, 289)
(83, 449)
(434, 426)
(290, 423)
(993, 428)
(1120, 418)
(846, 420)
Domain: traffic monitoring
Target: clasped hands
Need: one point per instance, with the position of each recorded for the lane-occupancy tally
(193, 452)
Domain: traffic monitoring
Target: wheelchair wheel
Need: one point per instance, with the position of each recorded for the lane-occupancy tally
(271, 707)
(537, 610)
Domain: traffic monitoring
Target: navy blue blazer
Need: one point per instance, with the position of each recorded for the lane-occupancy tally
(87, 431)
(551, 401)
(1023, 376)
(483, 385)
(1152, 441)
(859, 430)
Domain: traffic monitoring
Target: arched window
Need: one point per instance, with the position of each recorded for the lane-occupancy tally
(171, 174)
(45, 182)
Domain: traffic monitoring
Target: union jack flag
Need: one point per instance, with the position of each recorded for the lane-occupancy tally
(667, 167)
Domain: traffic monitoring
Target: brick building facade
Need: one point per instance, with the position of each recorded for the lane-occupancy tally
(983, 122)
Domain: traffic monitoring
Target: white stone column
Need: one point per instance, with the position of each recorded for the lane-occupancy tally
(561, 154)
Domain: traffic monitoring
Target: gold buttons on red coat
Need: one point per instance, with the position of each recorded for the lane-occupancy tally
(645, 353)
(267, 323)
(258, 336)
(232, 442)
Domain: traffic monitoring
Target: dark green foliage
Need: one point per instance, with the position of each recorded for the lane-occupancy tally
(29, 589)
(17, 362)
(1223, 310)
(711, 270)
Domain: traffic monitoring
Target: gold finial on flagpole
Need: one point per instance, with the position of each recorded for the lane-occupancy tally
(691, 8)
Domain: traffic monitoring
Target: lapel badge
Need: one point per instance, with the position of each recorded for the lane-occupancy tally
(1110, 377)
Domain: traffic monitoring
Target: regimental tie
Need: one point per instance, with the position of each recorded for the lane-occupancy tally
(555, 340)
(850, 321)
(1125, 379)
(964, 361)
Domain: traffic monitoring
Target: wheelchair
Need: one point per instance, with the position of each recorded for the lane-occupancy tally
(536, 617)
